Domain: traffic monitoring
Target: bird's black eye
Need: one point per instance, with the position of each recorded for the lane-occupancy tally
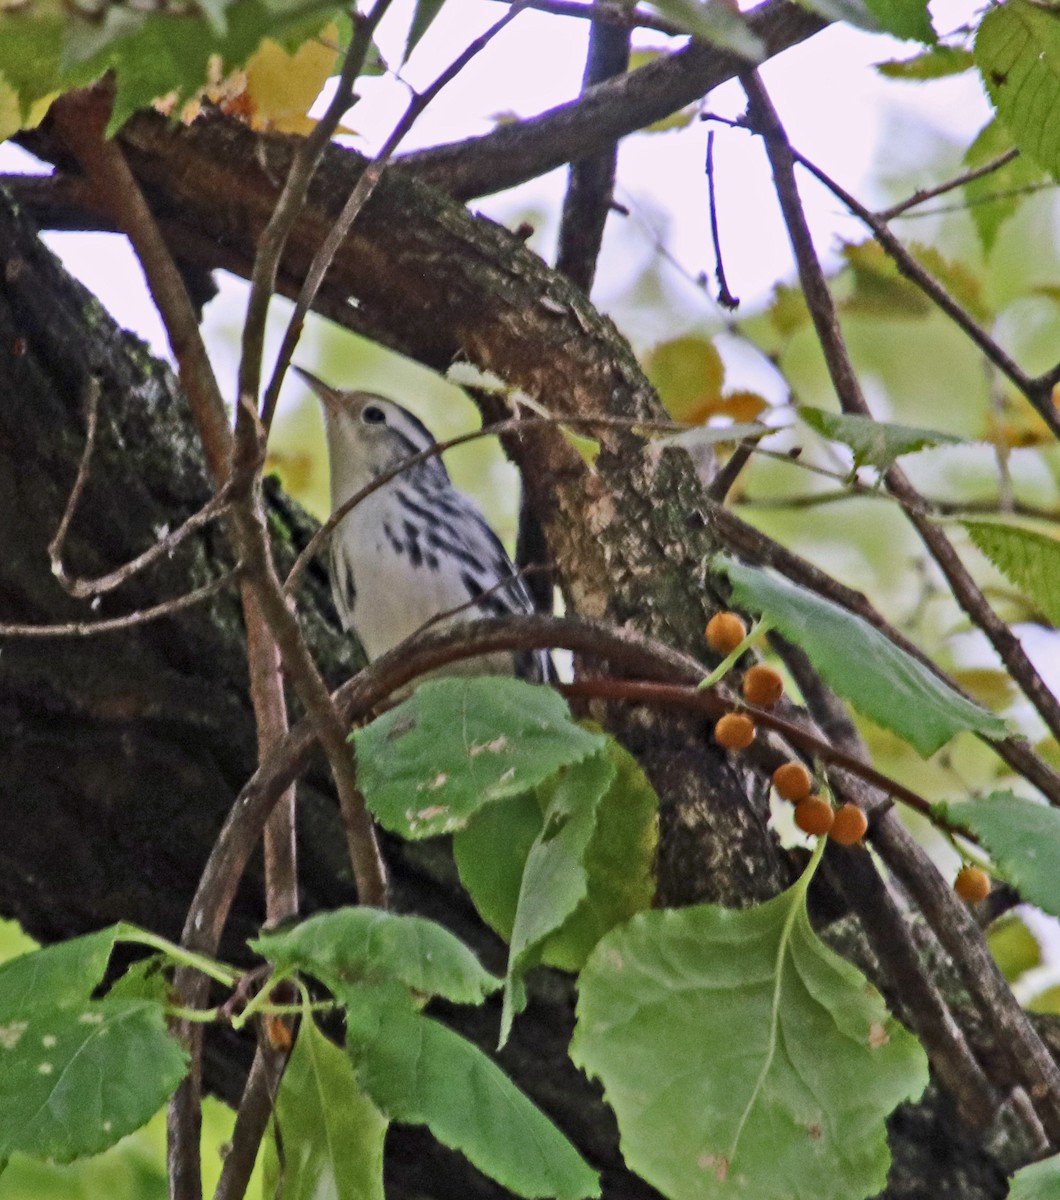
(373, 415)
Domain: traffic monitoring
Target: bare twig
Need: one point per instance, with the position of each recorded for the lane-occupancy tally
(1033, 389)
(356, 201)
(591, 179)
(921, 195)
(715, 704)
(256, 1106)
(725, 298)
(851, 398)
(512, 154)
(498, 429)
(1029, 1060)
(55, 546)
(601, 12)
(80, 629)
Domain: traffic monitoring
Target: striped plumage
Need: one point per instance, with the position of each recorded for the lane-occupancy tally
(416, 548)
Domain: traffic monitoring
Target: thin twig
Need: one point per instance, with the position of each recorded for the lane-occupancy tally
(621, 15)
(80, 629)
(498, 429)
(84, 588)
(1039, 398)
(725, 298)
(55, 546)
(713, 704)
(256, 1107)
(1030, 1062)
(844, 379)
(285, 644)
(921, 195)
(355, 202)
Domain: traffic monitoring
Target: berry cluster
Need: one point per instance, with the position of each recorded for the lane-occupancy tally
(763, 686)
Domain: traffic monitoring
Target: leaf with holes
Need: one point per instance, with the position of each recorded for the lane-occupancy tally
(889, 686)
(741, 1056)
(75, 1079)
(457, 745)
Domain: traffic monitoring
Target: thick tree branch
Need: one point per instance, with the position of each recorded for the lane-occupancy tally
(511, 154)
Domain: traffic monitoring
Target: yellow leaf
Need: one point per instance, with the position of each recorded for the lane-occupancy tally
(740, 406)
(282, 87)
(688, 373)
(989, 686)
(11, 118)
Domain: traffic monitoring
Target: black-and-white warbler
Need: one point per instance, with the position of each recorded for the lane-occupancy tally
(415, 549)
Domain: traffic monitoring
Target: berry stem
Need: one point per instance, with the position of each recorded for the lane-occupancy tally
(760, 629)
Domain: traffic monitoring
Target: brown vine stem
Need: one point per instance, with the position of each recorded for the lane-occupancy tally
(286, 645)
(782, 158)
(957, 932)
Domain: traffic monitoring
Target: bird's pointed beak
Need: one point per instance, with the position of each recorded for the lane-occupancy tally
(323, 391)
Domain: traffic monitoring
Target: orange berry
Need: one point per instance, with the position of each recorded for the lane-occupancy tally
(725, 631)
(734, 731)
(762, 685)
(972, 884)
(850, 825)
(792, 782)
(814, 815)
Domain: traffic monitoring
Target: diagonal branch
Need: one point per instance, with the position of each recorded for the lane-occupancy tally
(512, 154)
(819, 300)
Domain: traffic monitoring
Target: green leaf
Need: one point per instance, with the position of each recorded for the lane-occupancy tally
(422, 19)
(1014, 947)
(1017, 50)
(554, 880)
(332, 1133)
(992, 199)
(908, 19)
(1022, 837)
(879, 679)
(1030, 560)
(936, 63)
(75, 1079)
(1039, 1181)
(456, 745)
(491, 853)
(850, 12)
(420, 1072)
(64, 974)
(619, 864)
(44, 48)
(715, 22)
(874, 443)
(742, 1057)
(367, 945)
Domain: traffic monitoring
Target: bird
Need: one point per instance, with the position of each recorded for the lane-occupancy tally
(416, 549)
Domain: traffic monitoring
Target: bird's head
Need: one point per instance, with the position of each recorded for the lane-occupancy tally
(367, 436)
